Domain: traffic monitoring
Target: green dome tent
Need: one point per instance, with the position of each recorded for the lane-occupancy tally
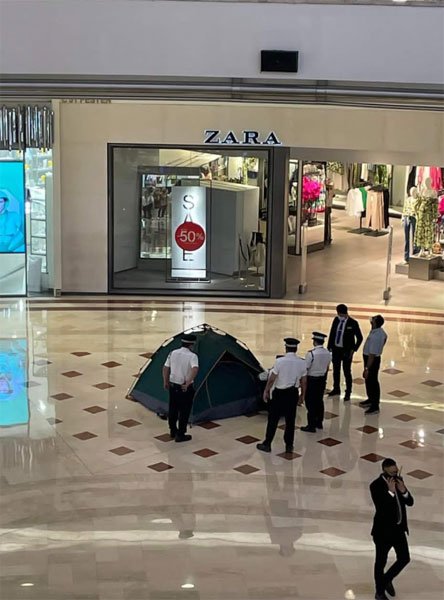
(227, 383)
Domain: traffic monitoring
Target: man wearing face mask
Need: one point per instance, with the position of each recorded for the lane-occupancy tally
(373, 347)
(344, 340)
(390, 497)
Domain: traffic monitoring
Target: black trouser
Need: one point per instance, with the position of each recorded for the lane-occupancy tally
(283, 403)
(314, 400)
(179, 409)
(398, 541)
(372, 386)
(344, 358)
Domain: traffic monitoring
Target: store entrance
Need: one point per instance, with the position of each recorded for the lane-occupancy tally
(372, 215)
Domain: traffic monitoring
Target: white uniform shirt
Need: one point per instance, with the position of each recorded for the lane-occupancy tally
(317, 360)
(181, 361)
(289, 370)
(375, 342)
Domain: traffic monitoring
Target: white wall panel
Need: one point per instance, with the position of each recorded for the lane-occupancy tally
(210, 39)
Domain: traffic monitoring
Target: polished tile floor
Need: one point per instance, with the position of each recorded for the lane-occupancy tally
(96, 505)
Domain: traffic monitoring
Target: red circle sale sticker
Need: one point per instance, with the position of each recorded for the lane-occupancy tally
(189, 236)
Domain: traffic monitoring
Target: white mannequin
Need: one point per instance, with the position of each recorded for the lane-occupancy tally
(429, 192)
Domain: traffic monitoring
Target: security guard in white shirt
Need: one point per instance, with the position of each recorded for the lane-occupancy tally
(318, 361)
(285, 379)
(179, 372)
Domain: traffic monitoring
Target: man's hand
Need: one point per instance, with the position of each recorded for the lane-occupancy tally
(266, 396)
(401, 486)
(365, 373)
(391, 482)
(166, 385)
(301, 401)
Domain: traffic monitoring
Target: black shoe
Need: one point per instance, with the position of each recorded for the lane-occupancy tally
(320, 426)
(390, 589)
(308, 429)
(183, 438)
(372, 411)
(381, 596)
(347, 398)
(263, 447)
(365, 403)
(289, 449)
(334, 393)
(173, 435)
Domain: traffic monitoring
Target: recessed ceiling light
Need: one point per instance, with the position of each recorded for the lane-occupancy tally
(187, 586)
(27, 584)
(400, 1)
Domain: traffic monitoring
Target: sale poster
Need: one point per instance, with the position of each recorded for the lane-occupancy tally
(189, 232)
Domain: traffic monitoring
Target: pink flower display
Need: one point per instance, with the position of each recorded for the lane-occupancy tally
(311, 189)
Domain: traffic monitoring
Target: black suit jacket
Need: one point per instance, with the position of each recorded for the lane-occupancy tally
(385, 519)
(352, 335)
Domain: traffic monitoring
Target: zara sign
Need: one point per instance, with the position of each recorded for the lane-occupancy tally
(249, 137)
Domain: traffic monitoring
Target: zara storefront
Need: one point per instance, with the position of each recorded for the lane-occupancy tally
(192, 198)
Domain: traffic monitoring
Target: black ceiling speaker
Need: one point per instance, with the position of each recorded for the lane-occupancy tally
(282, 61)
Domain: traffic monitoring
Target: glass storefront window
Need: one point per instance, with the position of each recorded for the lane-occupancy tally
(188, 219)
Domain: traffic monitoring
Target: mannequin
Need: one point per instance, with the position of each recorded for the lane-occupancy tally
(409, 222)
(426, 209)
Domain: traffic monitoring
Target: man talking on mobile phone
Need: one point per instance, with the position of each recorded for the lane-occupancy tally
(390, 497)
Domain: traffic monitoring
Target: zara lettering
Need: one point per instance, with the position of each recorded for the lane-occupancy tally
(250, 137)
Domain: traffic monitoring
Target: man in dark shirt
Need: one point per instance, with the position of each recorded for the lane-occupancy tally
(390, 497)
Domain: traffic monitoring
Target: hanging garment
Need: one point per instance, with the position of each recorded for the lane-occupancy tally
(364, 196)
(411, 179)
(426, 217)
(436, 177)
(386, 200)
(375, 210)
(354, 204)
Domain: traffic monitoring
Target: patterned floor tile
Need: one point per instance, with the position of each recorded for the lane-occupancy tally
(398, 393)
(330, 415)
(103, 386)
(404, 417)
(160, 467)
(246, 469)
(289, 455)
(71, 374)
(412, 444)
(205, 453)
(372, 457)
(392, 371)
(41, 362)
(62, 396)
(431, 383)
(332, 472)
(94, 409)
(329, 442)
(85, 435)
(111, 364)
(130, 423)
(419, 474)
(146, 355)
(247, 439)
(80, 354)
(440, 431)
(208, 425)
(31, 384)
(367, 429)
(164, 437)
(53, 421)
(358, 381)
(121, 450)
